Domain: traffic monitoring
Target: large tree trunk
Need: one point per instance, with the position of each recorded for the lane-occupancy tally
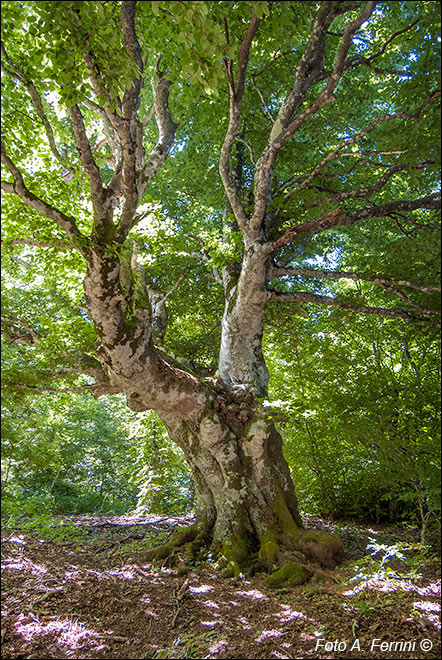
(247, 508)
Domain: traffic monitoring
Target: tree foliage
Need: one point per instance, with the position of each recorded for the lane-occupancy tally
(251, 166)
(68, 453)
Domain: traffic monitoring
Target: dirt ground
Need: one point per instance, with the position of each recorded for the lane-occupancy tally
(80, 589)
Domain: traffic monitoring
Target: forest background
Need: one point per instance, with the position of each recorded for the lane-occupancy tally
(355, 398)
(358, 408)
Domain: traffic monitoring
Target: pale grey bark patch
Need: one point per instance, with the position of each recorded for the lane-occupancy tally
(241, 362)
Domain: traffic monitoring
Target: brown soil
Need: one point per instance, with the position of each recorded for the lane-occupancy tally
(93, 596)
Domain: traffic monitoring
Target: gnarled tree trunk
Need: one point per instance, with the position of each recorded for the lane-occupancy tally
(247, 507)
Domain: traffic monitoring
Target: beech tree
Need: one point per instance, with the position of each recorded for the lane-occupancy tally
(193, 163)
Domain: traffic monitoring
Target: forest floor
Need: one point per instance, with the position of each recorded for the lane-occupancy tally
(78, 587)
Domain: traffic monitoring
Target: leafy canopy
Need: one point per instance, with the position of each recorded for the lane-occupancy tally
(186, 232)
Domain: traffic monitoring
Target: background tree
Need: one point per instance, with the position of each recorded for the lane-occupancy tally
(322, 121)
(69, 453)
(361, 412)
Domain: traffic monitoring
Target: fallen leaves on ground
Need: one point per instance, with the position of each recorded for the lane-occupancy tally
(89, 594)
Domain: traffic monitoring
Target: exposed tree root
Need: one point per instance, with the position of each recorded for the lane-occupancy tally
(188, 541)
(289, 559)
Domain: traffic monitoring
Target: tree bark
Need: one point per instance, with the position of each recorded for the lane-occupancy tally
(247, 508)
(241, 361)
(247, 511)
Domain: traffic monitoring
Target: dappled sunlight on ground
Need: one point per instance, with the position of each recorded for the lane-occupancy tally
(201, 589)
(210, 624)
(92, 600)
(430, 612)
(288, 614)
(66, 632)
(386, 583)
(217, 647)
(254, 594)
(23, 564)
(276, 632)
(244, 622)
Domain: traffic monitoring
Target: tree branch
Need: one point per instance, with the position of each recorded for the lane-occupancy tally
(357, 60)
(338, 218)
(415, 224)
(235, 96)
(332, 274)
(36, 100)
(40, 244)
(347, 143)
(428, 311)
(96, 389)
(67, 223)
(181, 279)
(306, 297)
(263, 101)
(21, 332)
(84, 149)
(166, 134)
(94, 76)
(108, 128)
(309, 72)
(369, 190)
(131, 98)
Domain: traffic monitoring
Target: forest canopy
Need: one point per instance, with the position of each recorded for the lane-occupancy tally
(226, 213)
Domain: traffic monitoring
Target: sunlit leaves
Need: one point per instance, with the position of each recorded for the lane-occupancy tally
(73, 51)
(361, 411)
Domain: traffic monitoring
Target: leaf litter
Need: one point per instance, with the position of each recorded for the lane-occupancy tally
(89, 594)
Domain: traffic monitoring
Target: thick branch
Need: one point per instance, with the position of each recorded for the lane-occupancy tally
(166, 133)
(235, 96)
(87, 160)
(332, 274)
(136, 172)
(131, 96)
(67, 223)
(100, 91)
(306, 297)
(338, 218)
(286, 124)
(308, 70)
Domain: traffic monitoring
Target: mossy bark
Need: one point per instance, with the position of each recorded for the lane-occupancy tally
(247, 508)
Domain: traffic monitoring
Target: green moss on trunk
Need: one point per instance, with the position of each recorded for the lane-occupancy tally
(289, 575)
(327, 549)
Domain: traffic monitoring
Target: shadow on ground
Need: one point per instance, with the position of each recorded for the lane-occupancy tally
(79, 588)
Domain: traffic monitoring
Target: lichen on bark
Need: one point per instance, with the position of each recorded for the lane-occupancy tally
(248, 517)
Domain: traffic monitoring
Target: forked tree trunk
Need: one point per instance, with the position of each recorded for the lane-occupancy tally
(247, 509)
